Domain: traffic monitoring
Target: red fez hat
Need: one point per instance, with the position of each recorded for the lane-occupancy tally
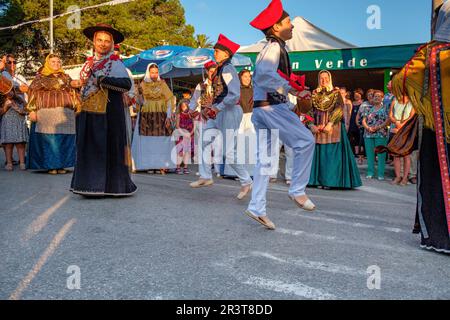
(226, 44)
(210, 64)
(270, 16)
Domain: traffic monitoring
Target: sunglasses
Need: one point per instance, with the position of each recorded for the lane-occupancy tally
(11, 62)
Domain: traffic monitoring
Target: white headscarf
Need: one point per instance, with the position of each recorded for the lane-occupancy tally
(330, 87)
(147, 73)
(443, 24)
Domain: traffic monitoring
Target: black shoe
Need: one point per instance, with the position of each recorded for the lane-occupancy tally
(416, 229)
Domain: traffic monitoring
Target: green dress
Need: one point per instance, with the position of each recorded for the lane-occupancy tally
(334, 164)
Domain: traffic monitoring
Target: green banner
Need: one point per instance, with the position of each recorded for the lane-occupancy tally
(350, 59)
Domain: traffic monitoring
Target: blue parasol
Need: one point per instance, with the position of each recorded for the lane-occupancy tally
(138, 63)
(190, 63)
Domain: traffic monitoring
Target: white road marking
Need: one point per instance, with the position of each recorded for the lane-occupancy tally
(298, 289)
(389, 194)
(42, 260)
(335, 240)
(342, 222)
(333, 268)
(303, 233)
(40, 222)
(23, 202)
(359, 216)
(314, 265)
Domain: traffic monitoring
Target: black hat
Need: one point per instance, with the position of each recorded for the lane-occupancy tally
(89, 32)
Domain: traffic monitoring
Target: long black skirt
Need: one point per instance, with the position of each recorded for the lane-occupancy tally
(102, 161)
(432, 216)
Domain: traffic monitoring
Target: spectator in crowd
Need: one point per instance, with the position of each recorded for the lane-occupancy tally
(388, 97)
(2, 101)
(354, 132)
(387, 102)
(187, 95)
(400, 113)
(347, 108)
(334, 164)
(52, 107)
(14, 131)
(362, 109)
(185, 132)
(246, 152)
(152, 144)
(375, 121)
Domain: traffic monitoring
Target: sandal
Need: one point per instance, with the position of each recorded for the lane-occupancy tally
(404, 183)
(186, 171)
(308, 205)
(9, 167)
(243, 194)
(396, 181)
(266, 223)
(202, 183)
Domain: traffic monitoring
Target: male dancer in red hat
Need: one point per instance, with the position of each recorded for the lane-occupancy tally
(223, 113)
(273, 81)
(204, 90)
(202, 97)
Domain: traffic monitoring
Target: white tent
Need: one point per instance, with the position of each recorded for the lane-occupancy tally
(307, 37)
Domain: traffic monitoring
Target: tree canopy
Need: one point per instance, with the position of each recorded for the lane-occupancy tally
(145, 24)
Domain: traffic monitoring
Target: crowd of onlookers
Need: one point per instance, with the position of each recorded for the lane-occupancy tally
(371, 119)
(373, 122)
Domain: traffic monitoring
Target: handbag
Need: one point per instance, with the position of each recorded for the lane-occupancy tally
(404, 142)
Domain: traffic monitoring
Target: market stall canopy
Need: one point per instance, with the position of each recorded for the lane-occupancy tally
(190, 63)
(138, 63)
(383, 57)
(307, 37)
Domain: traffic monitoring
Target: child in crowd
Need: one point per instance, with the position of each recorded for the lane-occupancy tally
(185, 142)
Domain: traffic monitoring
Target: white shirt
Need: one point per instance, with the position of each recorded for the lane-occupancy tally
(266, 78)
(196, 97)
(132, 92)
(118, 70)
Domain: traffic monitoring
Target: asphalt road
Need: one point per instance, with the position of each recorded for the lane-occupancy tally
(172, 242)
